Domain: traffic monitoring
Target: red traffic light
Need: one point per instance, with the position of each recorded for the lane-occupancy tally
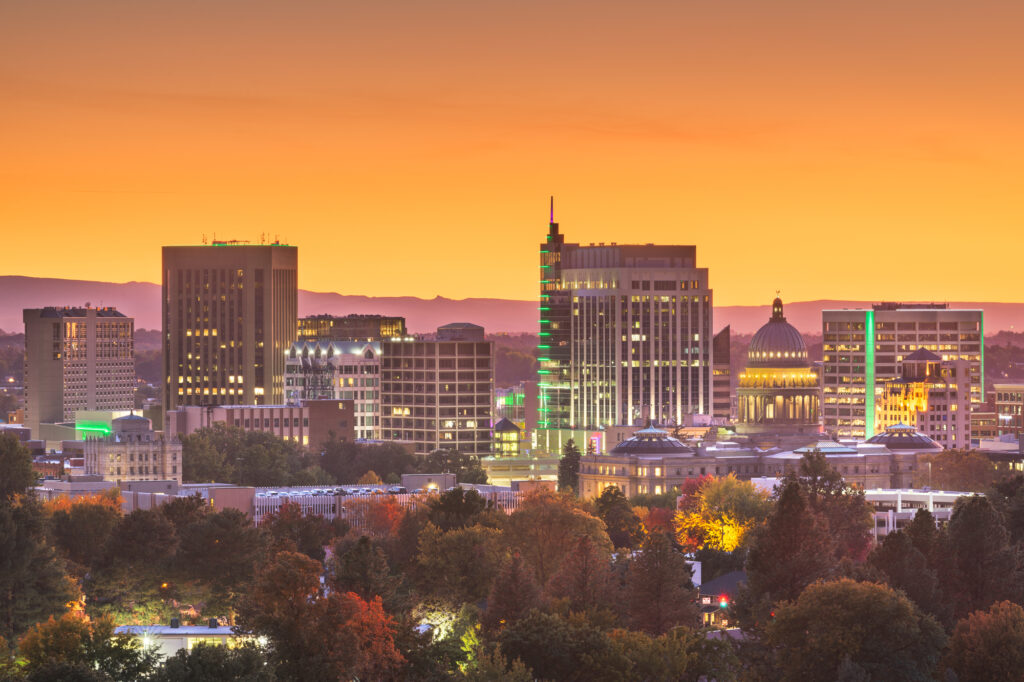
(723, 601)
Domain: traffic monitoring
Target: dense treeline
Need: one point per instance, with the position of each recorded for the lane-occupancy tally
(452, 588)
(227, 454)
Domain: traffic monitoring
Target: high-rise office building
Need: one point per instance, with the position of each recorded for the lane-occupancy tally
(863, 348)
(229, 317)
(722, 374)
(351, 328)
(339, 370)
(77, 359)
(439, 393)
(625, 334)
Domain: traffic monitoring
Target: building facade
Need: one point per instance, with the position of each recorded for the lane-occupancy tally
(77, 359)
(653, 462)
(338, 370)
(721, 382)
(439, 394)
(229, 317)
(364, 328)
(133, 451)
(931, 395)
(778, 392)
(625, 334)
(862, 349)
(310, 423)
(1009, 408)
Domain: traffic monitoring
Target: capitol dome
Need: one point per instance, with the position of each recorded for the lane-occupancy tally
(903, 437)
(777, 343)
(651, 441)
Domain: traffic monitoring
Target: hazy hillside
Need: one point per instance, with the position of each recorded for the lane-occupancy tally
(142, 301)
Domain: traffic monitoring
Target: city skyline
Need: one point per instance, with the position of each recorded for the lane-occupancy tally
(794, 145)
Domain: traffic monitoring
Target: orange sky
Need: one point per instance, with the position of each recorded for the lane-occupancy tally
(846, 149)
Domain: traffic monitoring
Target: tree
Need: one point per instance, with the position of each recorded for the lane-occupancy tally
(369, 478)
(585, 578)
(624, 527)
(289, 529)
(456, 508)
(81, 527)
(792, 550)
(659, 587)
(362, 568)
(569, 467)
(219, 552)
(513, 594)
(213, 663)
(460, 565)
(229, 454)
(313, 633)
(907, 569)
(844, 508)
(985, 568)
(558, 649)
(543, 530)
(348, 461)
(720, 514)
(136, 561)
(846, 623)
(466, 467)
(184, 511)
(489, 666)
(989, 645)
(957, 470)
(75, 640)
(33, 583)
(16, 473)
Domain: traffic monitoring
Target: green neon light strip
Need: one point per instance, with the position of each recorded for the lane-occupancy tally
(545, 334)
(869, 373)
(543, 345)
(545, 266)
(543, 359)
(544, 307)
(982, 347)
(543, 371)
(98, 429)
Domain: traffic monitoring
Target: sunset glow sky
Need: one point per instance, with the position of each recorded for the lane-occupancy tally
(830, 149)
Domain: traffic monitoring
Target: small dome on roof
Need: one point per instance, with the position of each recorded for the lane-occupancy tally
(777, 343)
(651, 441)
(903, 437)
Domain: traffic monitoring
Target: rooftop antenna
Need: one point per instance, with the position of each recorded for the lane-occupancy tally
(552, 218)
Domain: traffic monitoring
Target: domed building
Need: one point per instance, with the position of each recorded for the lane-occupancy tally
(778, 393)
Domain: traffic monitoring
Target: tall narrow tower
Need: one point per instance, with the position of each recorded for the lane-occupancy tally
(555, 333)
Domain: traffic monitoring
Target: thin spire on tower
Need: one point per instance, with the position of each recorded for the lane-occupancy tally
(552, 218)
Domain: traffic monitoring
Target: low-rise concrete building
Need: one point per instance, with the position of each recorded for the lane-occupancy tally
(310, 422)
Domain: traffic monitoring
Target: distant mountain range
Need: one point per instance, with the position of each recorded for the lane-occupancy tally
(141, 300)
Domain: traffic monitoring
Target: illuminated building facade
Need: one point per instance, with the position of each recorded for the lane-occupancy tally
(133, 451)
(862, 349)
(229, 318)
(340, 370)
(1009, 408)
(364, 328)
(77, 359)
(439, 394)
(931, 396)
(519, 404)
(778, 392)
(507, 439)
(625, 334)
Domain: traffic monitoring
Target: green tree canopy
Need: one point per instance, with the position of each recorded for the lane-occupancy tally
(844, 622)
(16, 473)
(624, 527)
(33, 582)
(569, 467)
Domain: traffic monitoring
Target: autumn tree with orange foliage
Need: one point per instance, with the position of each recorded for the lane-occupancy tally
(315, 633)
(81, 526)
(378, 516)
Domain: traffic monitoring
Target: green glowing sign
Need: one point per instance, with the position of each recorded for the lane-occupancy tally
(869, 373)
